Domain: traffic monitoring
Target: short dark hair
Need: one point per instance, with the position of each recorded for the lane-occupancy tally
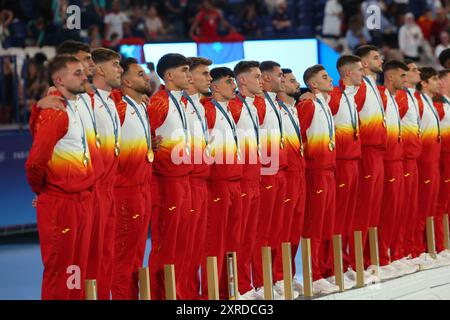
(245, 66)
(394, 65)
(286, 70)
(101, 55)
(408, 61)
(426, 73)
(347, 60)
(311, 72)
(444, 56)
(151, 66)
(443, 73)
(170, 60)
(199, 61)
(221, 72)
(60, 62)
(268, 65)
(126, 63)
(364, 50)
(72, 47)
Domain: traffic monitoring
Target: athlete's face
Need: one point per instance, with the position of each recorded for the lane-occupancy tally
(413, 74)
(274, 80)
(291, 85)
(72, 78)
(355, 73)
(432, 85)
(136, 79)
(179, 76)
(399, 79)
(445, 84)
(201, 79)
(225, 87)
(112, 71)
(252, 80)
(373, 61)
(322, 82)
(87, 62)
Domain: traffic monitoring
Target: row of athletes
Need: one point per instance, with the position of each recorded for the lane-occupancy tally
(107, 164)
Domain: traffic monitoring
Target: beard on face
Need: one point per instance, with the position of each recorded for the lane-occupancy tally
(77, 90)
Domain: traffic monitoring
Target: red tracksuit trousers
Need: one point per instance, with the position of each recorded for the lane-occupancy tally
(429, 179)
(65, 226)
(391, 213)
(319, 216)
(270, 222)
(222, 228)
(130, 224)
(293, 204)
(169, 232)
(197, 238)
(347, 183)
(250, 208)
(370, 194)
(101, 251)
(443, 204)
(406, 228)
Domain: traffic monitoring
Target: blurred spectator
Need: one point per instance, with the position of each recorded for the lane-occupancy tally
(90, 12)
(250, 26)
(207, 22)
(154, 28)
(440, 24)
(425, 22)
(137, 22)
(59, 9)
(36, 32)
(154, 79)
(357, 33)
(176, 14)
(95, 39)
(6, 17)
(116, 22)
(280, 20)
(445, 43)
(410, 38)
(332, 19)
(35, 83)
(402, 6)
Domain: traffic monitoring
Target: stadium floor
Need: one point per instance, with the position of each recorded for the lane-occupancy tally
(21, 270)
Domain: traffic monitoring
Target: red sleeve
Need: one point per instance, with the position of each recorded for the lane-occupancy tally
(260, 105)
(35, 111)
(305, 110)
(440, 109)
(382, 91)
(50, 127)
(121, 107)
(158, 109)
(402, 101)
(235, 105)
(210, 112)
(420, 102)
(335, 100)
(360, 96)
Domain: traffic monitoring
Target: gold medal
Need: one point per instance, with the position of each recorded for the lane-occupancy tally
(331, 145)
(302, 150)
(259, 150)
(187, 149)
(282, 142)
(356, 134)
(150, 156)
(116, 149)
(419, 132)
(399, 138)
(439, 139)
(238, 154)
(384, 122)
(85, 159)
(208, 150)
(97, 140)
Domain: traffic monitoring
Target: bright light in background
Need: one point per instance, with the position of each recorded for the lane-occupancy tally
(154, 51)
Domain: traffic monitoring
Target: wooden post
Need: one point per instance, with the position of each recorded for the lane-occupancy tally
(287, 270)
(374, 257)
(91, 289)
(233, 290)
(430, 237)
(144, 284)
(267, 272)
(306, 262)
(169, 276)
(446, 232)
(338, 267)
(359, 258)
(213, 280)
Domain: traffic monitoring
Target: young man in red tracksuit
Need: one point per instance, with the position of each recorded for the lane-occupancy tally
(344, 104)
(318, 134)
(295, 176)
(133, 176)
(171, 191)
(245, 115)
(59, 170)
(443, 205)
(200, 81)
(373, 143)
(391, 214)
(410, 101)
(428, 164)
(224, 182)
